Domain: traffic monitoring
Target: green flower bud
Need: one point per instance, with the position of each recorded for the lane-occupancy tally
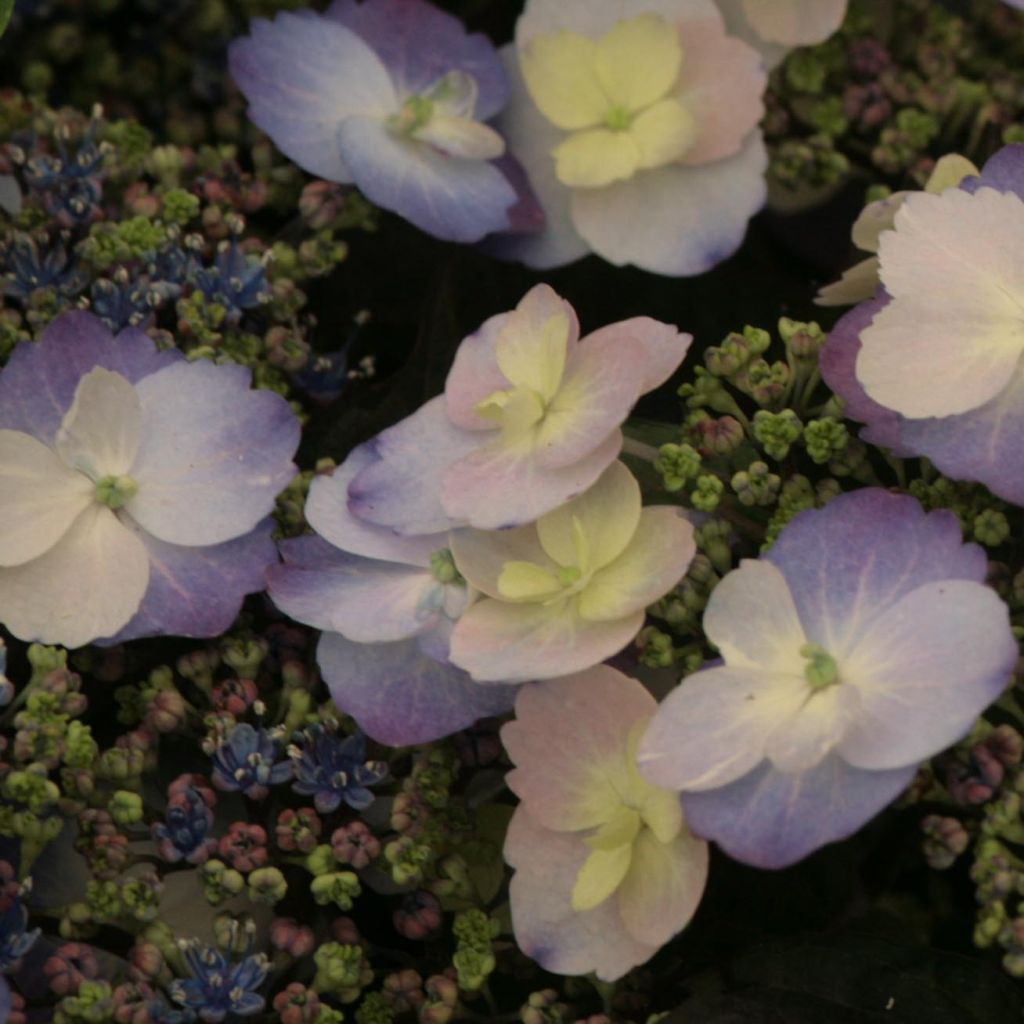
(825, 439)
(339, 887)
(268, 885)
(125, 807)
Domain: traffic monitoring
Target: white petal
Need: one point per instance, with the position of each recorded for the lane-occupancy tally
(85, 588)
(100, 432)
(39, 497)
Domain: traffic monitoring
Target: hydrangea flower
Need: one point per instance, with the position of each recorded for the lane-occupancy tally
(933, 364)
(390, 95)
(185, 832)
(863, 643)
(217, 987)
(570, 590)
(386, 605)
(245, 762)
(861, 281)
(530, 418)
(606, 870)
(637, 125)
(334, 770)
(135, 487)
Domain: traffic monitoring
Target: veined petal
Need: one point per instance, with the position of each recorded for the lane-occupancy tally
(596, 157)
(39, 498)
(663, 133)
(638, 61)
(85, 587)
(101, 431)
(654, 561)
(534, 342)
(663, 886)
(805, 740)
(607, 515)
(600, 876)
(462, 137)
(561, 74)
(495, 641)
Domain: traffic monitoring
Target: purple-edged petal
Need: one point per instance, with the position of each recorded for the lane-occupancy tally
(419, 43)
(546, 927)
(1004, 171)
(303, 74)
(399, 696)
(328, 513)
(498, 486)
(771, 820)
(448, 197)
(199, 591)
(925, 670)
(675, 220)
(402, 488)
(214, 453)
(496, 641)
(889, 547)
(38, 383)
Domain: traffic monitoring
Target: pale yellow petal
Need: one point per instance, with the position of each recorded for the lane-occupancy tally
(461, 137)
(619, 830)
(663, 133)
(601, 874)
(532, 347)
(949, 171)
(638, 61)
(526, 581)
(596, 157)
(560, 74)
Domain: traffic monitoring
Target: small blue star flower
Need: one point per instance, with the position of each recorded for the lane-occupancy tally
(332, 770)
(245, 762)
(218, 987)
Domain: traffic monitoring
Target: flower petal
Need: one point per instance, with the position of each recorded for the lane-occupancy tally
(328, 513)
(400, 696)
(813, 730)
(662, 890)
(858, 284)
(495, 641)
(214, 454)
(638, 60)
(569, 743)
(402, 488)
(100, 432)
(656, 558)
(560, 71)
(595, 158)
(303, 74)
(771, 820)
(475, 375)
(1003, 171)
(663, 133)
(481, 555)
(594, 20)
(712, 728)
(925, 671)
(795, 22)
(675, 220)
(87, 586)
(39, 498)
(659, 348)
(447, 196)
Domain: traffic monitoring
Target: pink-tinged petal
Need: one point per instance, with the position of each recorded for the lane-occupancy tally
(37, 386)
(848, 563)
(839, 370)
(546, 927)
(1004, 171)
(653, 563)
(712, 728)
(100, 433)
(419, 43)
(402, 488)
(658, 347)
(328, 513)
(199, 592)
(953, 335)
(602, 382)
(497, 486)
(663, 887)
(87, 586)
(365, 600)
(737, 24)
(531, 137)
(675, 220)
(39, 498)
(214, 454)
(400, 696)
(771, 820)
(303, 74)
(481, 555)
(795, 22)
(542, 17)
(721, 84)
(446, 196)
(569, 742)
(533, 345)
(475, 375)
(924, 672)
(753, 620)
(495, 641)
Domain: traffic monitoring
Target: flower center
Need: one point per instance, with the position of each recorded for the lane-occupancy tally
(115, 491)
(821, 670)
(442, 565)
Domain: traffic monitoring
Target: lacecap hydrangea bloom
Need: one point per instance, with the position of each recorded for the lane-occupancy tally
(135, 487)
(606, 870)
(933, 364)
(392, 96)
(570, 590)
(636, 123)
(864, 642)
(387, 605)
(530, 418)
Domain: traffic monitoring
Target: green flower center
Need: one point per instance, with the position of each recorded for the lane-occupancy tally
(821, 670)
(115, 491)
